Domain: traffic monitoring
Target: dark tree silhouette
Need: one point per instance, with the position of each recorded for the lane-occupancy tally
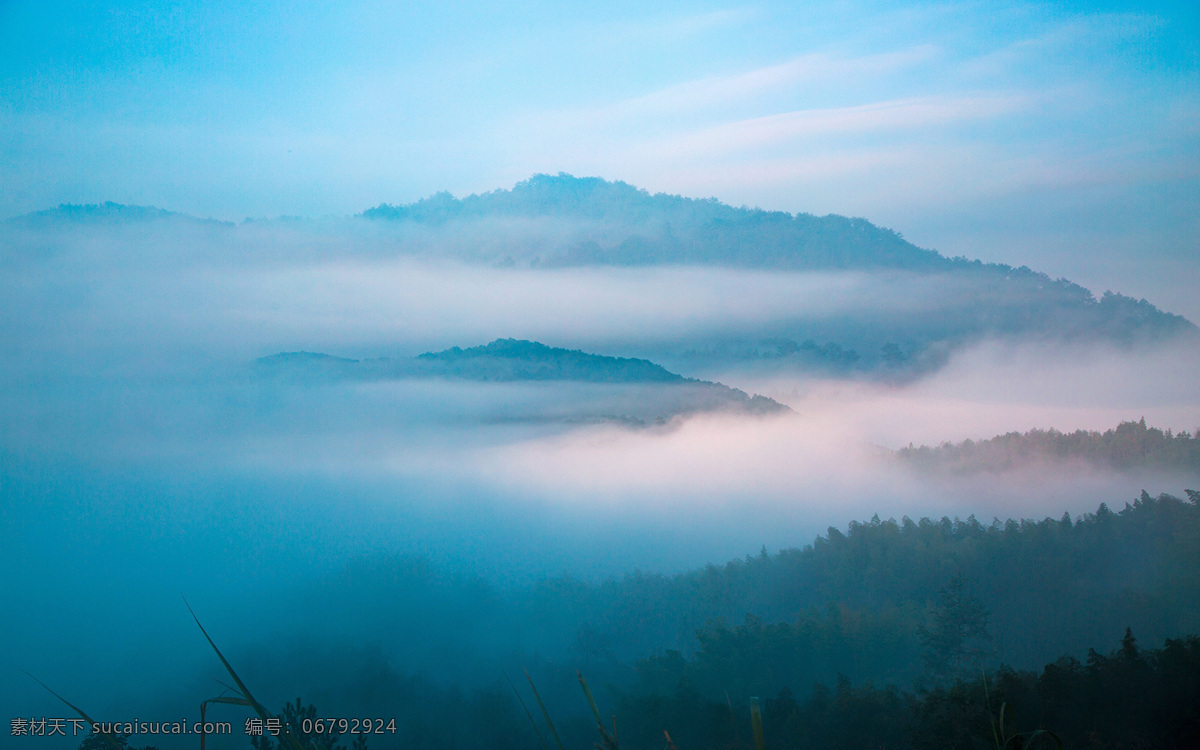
(959, 642)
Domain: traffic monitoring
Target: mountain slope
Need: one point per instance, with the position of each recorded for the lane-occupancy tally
(557, 221)
(1130, 446)
(672, 229)
(107, 212)
(639, 392)
(865, 300)
(510, 360)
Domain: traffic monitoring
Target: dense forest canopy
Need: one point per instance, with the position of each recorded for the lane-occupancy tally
(900, 634)
(878, 581)
(1130, 445)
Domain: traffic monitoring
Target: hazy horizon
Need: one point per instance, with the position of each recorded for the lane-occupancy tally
(1026, 135)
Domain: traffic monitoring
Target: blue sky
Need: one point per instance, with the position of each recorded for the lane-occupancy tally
(1065, 136)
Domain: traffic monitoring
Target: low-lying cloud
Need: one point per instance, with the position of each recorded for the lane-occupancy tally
(143, 453)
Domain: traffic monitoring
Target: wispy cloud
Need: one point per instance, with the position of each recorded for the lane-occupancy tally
(757, 88)
(911, 114)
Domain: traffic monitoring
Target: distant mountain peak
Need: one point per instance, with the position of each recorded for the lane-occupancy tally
(646, 229)
(301, 357)
(108, 212)
(549, 221)
(558, 363)
(519, 361)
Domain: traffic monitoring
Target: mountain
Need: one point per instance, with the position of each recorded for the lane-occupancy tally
(645, 393)
(866, 300)
(670, 229)
(1131, 446)
(104, 213)
(510, 360)
(915, 303)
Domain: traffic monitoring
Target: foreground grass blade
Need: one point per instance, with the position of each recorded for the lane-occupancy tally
(234, 701)
(733, 722)
(107, 737)
(1001, 738)
(605, 737)
(756, 724)
(288, 737)
(526, 708)
(204, 708)
(591, 701)
(545, 713)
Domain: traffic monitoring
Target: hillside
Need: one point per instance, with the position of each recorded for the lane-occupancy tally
(564, 221)
(104, 213)
(865, 300)
(509, 359)
(671, 229)
(857, 611)
(513, 361)
(1130, 446)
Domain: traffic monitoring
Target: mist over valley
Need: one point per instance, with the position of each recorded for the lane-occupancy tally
(570, 425)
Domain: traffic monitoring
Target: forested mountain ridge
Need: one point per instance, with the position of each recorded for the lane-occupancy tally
(1129, 446)
(107, 212)
(690, 230)
(871, 606)
(501, 360)
(664, 228)
(515, 361)
(861, 299)
(852, 602)
(512, 359)
(1010, 591)
(567, 221)
(1133, 697)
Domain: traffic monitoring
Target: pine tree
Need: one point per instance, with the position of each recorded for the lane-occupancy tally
(959, 640)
